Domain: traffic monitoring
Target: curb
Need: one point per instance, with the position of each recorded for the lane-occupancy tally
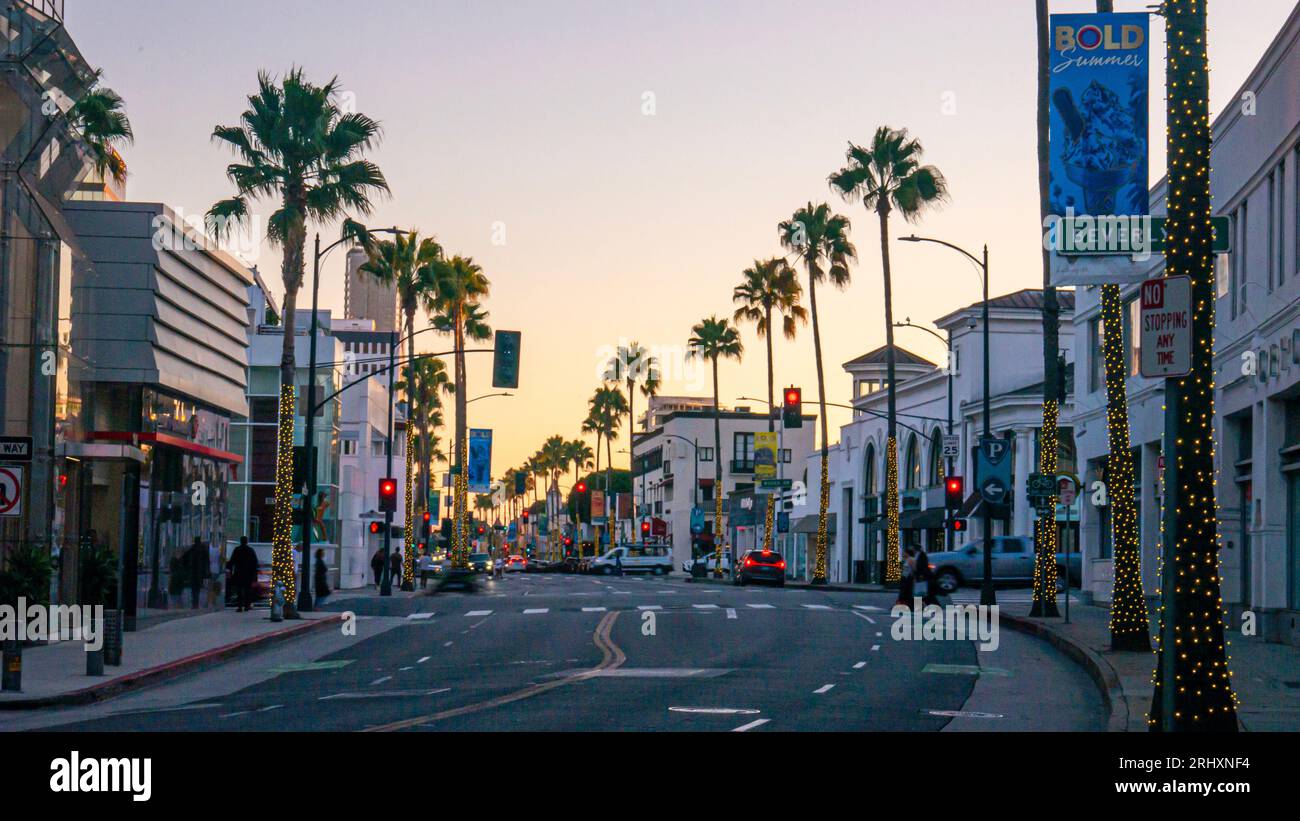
(162, 672)
(1101, 673)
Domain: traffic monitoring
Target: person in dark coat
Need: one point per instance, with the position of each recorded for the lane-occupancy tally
(321, 576)
(925, 574)
(395, 566)
(196, 562)
(377, 565)
(908, 581)
(243, 573)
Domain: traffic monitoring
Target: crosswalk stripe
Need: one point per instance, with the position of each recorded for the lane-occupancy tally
(537, 611)
(705, 606)
(420, 616)
(818, 607)
(593, 610)
(477, 613)
(761, 606)
(649, 607)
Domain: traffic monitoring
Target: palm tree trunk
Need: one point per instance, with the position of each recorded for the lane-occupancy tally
(893, 567)
(631, 447)
(771, 428)
(283, 571)
(1045, 530)
(408, 555)
(462, 444)
(824, 500)
(717, 479)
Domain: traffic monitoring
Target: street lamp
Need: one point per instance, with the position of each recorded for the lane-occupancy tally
(304, 590)
(987, 596)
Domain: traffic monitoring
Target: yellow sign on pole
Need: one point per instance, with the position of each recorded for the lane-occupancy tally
(764, 455)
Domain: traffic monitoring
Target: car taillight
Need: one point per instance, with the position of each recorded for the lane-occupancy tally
(749, 562)
(780, 565)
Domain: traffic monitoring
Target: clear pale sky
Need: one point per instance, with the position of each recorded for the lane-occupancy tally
(619, 225)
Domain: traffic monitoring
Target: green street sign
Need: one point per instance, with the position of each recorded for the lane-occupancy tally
(1125, 235)
(776, 484)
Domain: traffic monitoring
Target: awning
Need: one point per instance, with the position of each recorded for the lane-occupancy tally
(930, 519)
(808, 524)
(170, 441)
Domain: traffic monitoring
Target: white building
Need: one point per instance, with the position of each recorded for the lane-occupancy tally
(1255, 182)
(857, 461)
(675, 464)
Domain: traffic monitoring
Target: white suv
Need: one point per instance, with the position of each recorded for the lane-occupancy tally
(635, 558)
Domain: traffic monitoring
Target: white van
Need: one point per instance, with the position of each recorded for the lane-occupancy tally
(635, 558)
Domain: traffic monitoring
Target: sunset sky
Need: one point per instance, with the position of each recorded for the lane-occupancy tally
(621, 225)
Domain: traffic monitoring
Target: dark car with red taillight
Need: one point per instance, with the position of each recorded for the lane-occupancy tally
(761, 566)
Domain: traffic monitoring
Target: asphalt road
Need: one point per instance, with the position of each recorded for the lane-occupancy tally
(575, 653)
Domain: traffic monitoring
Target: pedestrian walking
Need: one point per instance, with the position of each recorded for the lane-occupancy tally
(924, 586)
(321, 577)
(395, 566)
(907, 584)
(243, 573)
(377, 565)
(196, 562)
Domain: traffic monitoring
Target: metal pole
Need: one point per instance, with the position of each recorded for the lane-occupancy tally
(987, 596)
(309, 438)
(1169, 564)
(386, 586)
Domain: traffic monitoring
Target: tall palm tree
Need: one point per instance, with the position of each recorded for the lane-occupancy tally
(713, 339)
(605, 408)
(554, 459)
(770, 286)
(406, 264)
(455, 304)
(294, 144)
(100, 119)
(633, 365)
(820, 239)
(888, 176)
(431, 383)
(1048, 440)
(580, 455)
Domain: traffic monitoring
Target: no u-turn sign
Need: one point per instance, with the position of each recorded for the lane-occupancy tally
(11, 491)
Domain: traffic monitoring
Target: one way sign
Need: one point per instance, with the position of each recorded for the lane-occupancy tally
(15, 448)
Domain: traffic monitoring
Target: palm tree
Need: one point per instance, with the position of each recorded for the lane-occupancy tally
(633, 365)
(406, 264)
(455, 304)
(554, 459)
(770, 286)
(715, 339)
(294, 144)
(888, 176)
(104, 127)
(820, 239)
(580, 455)
(431, 383)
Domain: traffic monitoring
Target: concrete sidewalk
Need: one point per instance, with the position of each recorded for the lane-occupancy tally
(55, 674)
(1265, 677)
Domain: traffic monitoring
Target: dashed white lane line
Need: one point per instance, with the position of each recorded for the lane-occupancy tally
(232, 715)
(447, 643)
(744, 728)
(380, 681)
(404, 669)
(420, 616)
(423, 659)
(593, 610)
(537, 611)
(269, 709)
(705, 606)
(867, 607)
(731, 612)
(649, 607)
(476, 613)
(818, 607)
(859, 665)
(762, 606)
(824, 689)
(862, 616)
(875, 648)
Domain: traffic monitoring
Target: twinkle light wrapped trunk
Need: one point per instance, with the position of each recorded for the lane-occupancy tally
(408, 555)
(893, 566)
(1193, 686)
(1130, 627)
(282, 569)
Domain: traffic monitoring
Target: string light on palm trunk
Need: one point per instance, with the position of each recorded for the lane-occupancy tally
(1045, 528)
(893, 566)
(282, 569)
(1203, 698)
(408, 556)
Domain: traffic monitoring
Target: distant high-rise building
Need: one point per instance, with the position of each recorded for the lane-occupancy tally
(364, 298)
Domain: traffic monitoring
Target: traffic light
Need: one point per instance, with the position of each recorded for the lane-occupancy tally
(374, 527)
(525, 517)
(521, 483)
(957, 525)
(792, 412)
(387, 495)
(481, 530)
(426, 526)
(505, 359)
(581, 487)
(954, 488)
(645, 528)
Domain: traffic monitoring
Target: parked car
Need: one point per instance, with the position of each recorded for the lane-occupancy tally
(635, 558)
(1013, 562)
(707, 559)
(764, 566)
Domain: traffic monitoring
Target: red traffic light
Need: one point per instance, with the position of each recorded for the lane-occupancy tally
(525, 517)
(957, 525)
(793, 396)
(568, 542)
(374, 527)
(388, 487)
(954, 485)
(645, 527)
(581, 487)
(481, 530)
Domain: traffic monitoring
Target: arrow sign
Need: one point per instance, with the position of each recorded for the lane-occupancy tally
(994, 467)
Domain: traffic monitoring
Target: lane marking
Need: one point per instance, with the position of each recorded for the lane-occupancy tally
(868, 607)
(420, 616)
(612, 657)
(875, 648)
(715, 711)
(404, 669)
(593, 610)
(537, 611)
(269, 709)
(964, 670)
(859, 665)
(423, 659)
(447, 643)
(232, 715)
(649, 607)
(744, 728)
(380, 681)
(476, 613)
(825, 688)
(731, 612)
(762, 606)
(818, 607)
(863, 616)
(386, 694)
(705, 606)
(962, 714)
